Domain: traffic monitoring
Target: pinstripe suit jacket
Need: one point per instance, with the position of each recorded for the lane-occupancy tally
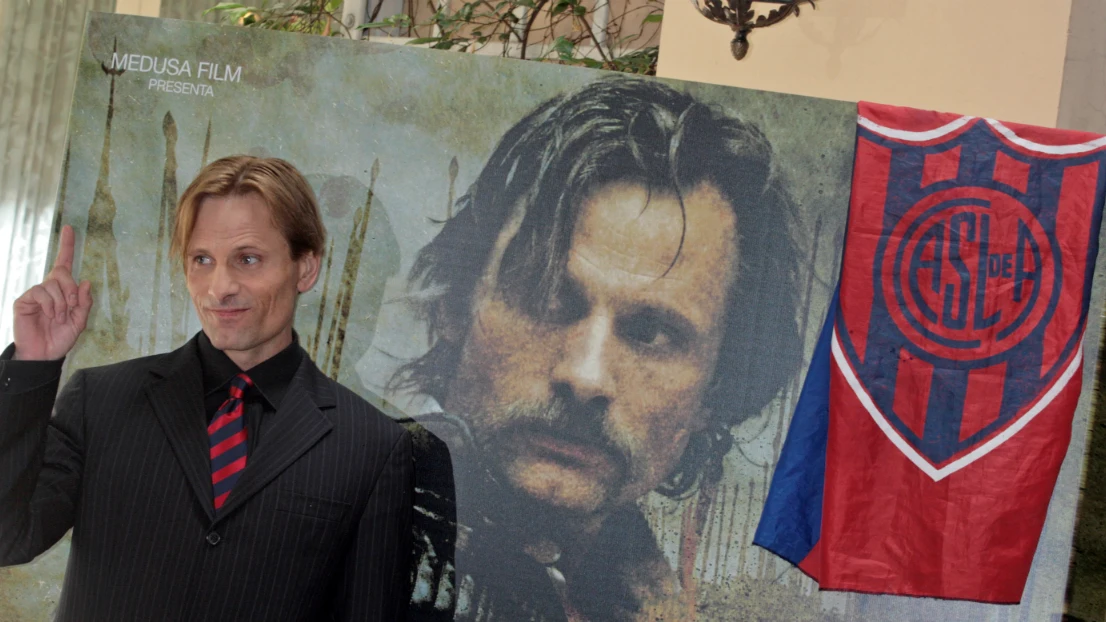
(317, 527)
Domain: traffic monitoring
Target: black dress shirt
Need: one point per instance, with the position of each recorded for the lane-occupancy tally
(271, 379)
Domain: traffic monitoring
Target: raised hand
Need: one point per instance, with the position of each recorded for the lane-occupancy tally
(51, 315)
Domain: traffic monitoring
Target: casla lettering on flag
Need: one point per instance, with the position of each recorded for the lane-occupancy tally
(939, 402)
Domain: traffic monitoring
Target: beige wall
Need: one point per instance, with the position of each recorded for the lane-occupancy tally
(997, 58)
(146, 8)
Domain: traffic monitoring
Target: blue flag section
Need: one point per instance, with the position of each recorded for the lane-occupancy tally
(791, 522)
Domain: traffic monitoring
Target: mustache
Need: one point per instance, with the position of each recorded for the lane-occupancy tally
(562, 418)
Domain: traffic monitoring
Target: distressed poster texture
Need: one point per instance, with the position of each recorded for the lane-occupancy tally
(592, 297)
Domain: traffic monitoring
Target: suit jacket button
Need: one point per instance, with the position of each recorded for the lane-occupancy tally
(214, 538)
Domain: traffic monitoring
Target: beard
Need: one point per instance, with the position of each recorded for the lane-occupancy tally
(500, 438)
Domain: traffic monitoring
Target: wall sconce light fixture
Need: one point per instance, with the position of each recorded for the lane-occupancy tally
(740, 16)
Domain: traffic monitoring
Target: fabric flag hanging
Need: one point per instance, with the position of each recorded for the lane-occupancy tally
(939, 402)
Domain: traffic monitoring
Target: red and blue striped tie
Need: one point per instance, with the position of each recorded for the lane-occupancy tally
(228, 441)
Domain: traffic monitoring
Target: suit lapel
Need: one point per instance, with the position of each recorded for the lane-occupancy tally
(176, 394)
(296, 426)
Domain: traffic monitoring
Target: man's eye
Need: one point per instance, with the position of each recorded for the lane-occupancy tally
(649, 331)
(201, 260)
(250, 259)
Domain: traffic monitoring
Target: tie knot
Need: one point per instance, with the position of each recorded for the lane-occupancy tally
(239, 384)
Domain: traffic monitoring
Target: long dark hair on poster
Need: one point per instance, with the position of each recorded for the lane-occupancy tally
(621, 130)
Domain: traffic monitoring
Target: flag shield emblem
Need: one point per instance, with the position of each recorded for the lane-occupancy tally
(962, 316)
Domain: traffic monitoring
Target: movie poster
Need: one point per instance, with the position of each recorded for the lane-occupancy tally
(591, 297)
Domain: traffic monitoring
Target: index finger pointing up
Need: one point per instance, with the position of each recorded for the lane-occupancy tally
(65, 249)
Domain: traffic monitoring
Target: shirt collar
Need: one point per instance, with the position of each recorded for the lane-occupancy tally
(271, 377)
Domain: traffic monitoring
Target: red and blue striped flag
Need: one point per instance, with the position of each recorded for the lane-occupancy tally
(939, 402)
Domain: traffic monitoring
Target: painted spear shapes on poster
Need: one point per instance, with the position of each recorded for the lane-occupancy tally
(63, 192)
(313, 340)
(454, 168)
(180, 308)
(332, 360)
(168, 201)
(99, 255)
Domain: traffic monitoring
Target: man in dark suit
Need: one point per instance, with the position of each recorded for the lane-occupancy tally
(226, 480)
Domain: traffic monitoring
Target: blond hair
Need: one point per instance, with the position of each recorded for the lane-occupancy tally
(291, 201)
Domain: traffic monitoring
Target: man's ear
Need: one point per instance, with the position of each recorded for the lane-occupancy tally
(308, 265)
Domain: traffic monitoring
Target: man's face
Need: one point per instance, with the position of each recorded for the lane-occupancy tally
(591, 406)
(242, 278)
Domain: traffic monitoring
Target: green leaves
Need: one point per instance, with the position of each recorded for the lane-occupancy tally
(560, 6)
(224, 6)
(563, 48)
(643, 61)
(231, 11)
(559, 31)
(395, 21)
(312, 17)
